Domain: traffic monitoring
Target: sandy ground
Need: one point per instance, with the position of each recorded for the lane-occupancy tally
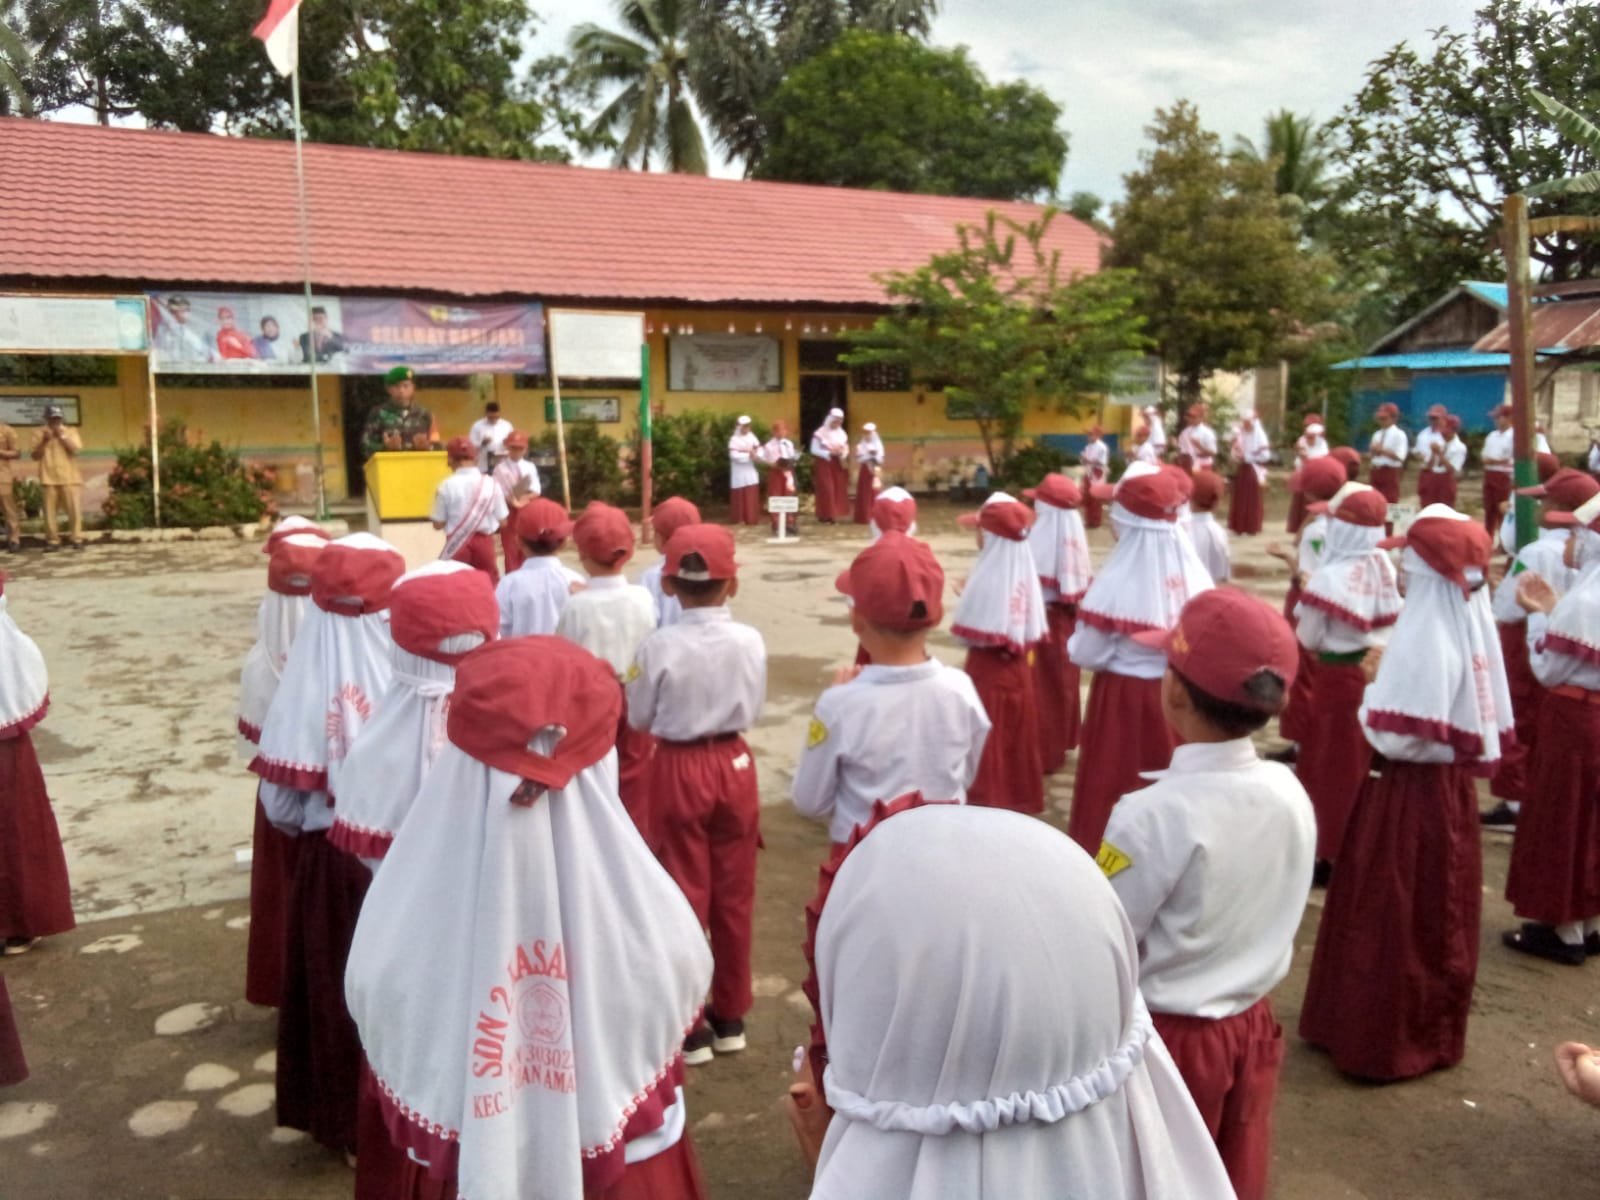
(153, 1077)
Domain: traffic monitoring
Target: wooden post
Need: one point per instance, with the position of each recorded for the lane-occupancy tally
(646, 446)
(1519, 317)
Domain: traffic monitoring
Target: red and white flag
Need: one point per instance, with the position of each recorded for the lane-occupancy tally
(279, 31)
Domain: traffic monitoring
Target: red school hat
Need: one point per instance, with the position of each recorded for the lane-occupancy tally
(1567, 486)
(1360, 505)
(671, 515)
(432, 604)
(543, 520)
(1155, 495)
(1005, 517)
(1350, 458)
(699, 553)
(603, 534)
(1389, 409)
(894, 514)
(1586, 515)
(1437, 410)
(516, 441)
(289, 527)
(355, 574)
(1451, 545)
(1056, 490)
(1322, 477)
(289, 569)
(510, 691)
(1224, 641)
(458, 449)
(1208, 488)
(896, 583)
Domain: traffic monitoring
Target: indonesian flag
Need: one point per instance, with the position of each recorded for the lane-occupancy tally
(279, 31)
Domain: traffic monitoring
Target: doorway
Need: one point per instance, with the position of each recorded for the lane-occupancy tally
(818, 394)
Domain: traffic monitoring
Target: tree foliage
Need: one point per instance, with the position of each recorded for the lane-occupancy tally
(1439, 135)
(885, 111)
(15, 61)
(994, 323)
(1296, 150)
(1222, 276)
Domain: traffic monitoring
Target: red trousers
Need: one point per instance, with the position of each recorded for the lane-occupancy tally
(1496, 494)
(706, 811)
(13, 1066)
(1334, 754)
(1009, 773)
(479, 552)
(511, 544)
(1436, 487)
(1245, 502)
(1055, 684)
(271, 879)
(1124, 733)
(1555, 857)
(1231, 1066)
(832, 488)
(35, 896)
(866, 493)
(1386, 480)
(1510, 781)
(635, 749)
(744, 505)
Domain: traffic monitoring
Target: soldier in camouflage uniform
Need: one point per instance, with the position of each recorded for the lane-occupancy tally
(398, 423)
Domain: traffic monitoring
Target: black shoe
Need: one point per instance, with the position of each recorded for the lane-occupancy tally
(697, 1046)
(1321, 873)
(1501, 818)
(1591, 944)
(13, 547)
(77, 545)
(1541, 942)
(51, 547)
(727, 1036)
(1289, 755)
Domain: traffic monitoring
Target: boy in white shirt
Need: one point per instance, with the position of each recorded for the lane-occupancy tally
(904, 723)
(469, 506)
(1209, 536)
(532, 597)
(1388, 453)
(1212, 863)
(666, 518)
(519, 483)
(488, 436)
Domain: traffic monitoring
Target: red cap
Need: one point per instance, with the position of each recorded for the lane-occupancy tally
(1586, 515)
(1195, 412)
(1322, 477)
(224, 314)
(460, 448)
(1547, 465)
(1208, 488)
(427, 607)
(510, 691)
(603, 534)
(1311, 419)
(1095, 431)
(1389, 409)
(1057, 490)
(894, 514)
(1448, 545)
(1224, 639)
(1366, 506)
(1009, 519)
(290, 526)
(671, 515)
(289, 569)
(1568, 488)
(1453, 423)
(1437, 410)
(543, 520)
(353, 578)
(712, 545)
(1502, 410)
(1350, 457)
(896, 583)
(1157, 496)
(516, 441)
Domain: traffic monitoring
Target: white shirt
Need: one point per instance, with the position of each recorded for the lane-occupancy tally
(778, 450)
(1424, 447)
(455, 497)
(509, 473)
(704, 676)
(609, 619)
(829, 439)
(1545, 556)
(889, 731)
(1158, 433)
(1210, 540)
(869, 451)
(1199, 442)
(1307, 447)
(668, 609)
(532, 597)
(1096, 650)
(490, 438)
(743, 450)
(1095, 457)
(1552, 668)
(1212, 864)
(1389, 447)
(1323, 633)
(1146, 452)
(1498, 450)
(1594, 460)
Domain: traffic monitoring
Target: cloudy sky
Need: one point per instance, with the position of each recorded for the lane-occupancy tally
(1111, 63)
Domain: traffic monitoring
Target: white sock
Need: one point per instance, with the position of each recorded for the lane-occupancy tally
(1514, 805)
(1592, 925)
(1571, 932)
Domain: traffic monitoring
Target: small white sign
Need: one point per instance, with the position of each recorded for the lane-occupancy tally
(29, 410)
(783, 504)
(595, 345)
(1401, 516)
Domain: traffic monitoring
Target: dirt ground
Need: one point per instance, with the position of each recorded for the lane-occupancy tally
(153, 1078)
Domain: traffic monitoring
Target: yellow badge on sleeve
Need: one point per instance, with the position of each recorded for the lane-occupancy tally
(1112, 860)
(633, 673)
(816, 735)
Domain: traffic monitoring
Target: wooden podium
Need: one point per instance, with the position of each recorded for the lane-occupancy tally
(400, 487)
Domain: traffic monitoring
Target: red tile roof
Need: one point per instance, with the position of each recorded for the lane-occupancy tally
(84, 205)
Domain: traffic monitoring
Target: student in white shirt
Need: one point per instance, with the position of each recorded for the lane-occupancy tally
(519, 482)
(829, 446)
(1499, 461)
(1388, 453)
(1309, 445)
(1442, 455)
(469, 506)
(1198, 440)
(488, 436)
(666, 518)
(780, 457)
(904, 723)
(532, 597)
(1212, 863)
(744, 482)
(1096, 460)
(869, 472)
(1209, 537)
(1157, 430)
(1251, 450)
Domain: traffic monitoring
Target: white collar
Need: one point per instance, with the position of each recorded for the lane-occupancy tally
(705, 616)
(606, 583)
(879, 673)
(1193, 758)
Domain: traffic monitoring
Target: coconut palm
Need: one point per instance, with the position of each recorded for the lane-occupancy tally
(1297, 149)
(652, 116)
(14, 61)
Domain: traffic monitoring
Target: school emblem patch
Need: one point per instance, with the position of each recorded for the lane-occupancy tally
(816, 735)
(633, 673)
(1112, 860)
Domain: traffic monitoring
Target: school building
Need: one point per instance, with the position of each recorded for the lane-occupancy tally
(746, 289)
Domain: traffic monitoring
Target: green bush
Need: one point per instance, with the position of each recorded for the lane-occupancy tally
(690, 455)
(1031, 462)
(594, 465)
(200, 485)
(29, 496)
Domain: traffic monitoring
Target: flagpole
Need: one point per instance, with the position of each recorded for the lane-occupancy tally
(305, 263)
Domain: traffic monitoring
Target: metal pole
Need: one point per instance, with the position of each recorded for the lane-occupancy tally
(646, 443)
(155, 424)
(561, 426)
(305, 263)
(1519, 316)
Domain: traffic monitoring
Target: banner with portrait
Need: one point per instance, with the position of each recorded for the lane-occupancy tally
(724, 362)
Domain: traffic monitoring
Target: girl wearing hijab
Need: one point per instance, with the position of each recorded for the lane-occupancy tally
(1308, 446)
(339, 668)
(1151, 574)
(1060, 549)
(1001, 620)
(935, 1070)
(1251, 451)
(895, 510)
(537, 1052)
(1209, 538)
(272, 852)
(1348, 607)
(869, 473)
(1397, 953)
(35, 897)
(829, 446)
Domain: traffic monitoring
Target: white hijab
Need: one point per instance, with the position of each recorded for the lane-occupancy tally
(1151, 573)
(1442, 678)
(561, 968)
(895, 495)
(1002, 605)
(1060, 547)
(970, 1054)
(277, 621)
(1355, 582)
(1251, 445)
(1574, 627)
(24, 682)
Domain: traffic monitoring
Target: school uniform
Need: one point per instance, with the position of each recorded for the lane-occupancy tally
(744, 482)
(869, 462)
(1199, 442)
(1096, 460)
(1307, 448)
(488, 435)
(696, 687)
(1397, 952)
(1388, 453)
(516, 477)
(1210, 541)
(1252, 450)
(1060, 548)
(780, 456)
(13, 1065)
(1212, 862)
(470, 506)
(886, 733)
(533, 597)
(829, 444)
(1436, 481)
(1498, 455)
(1295, 720)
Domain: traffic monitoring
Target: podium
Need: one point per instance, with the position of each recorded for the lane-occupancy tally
(400, 487)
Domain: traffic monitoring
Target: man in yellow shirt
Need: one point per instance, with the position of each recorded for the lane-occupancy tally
(9, 453)
(56, 451)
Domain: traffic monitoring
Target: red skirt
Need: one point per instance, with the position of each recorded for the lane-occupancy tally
(1334, 754)
(1295, 723)
(744, 505)
(1496, 494)
(35, 896)
(1555, 857)
(1124, 733)
(866, 493)
(319, 1051)
(13, 1066)
(832, 488)
(1510, 781)
(780, 482)
(511, 544)
(1093, 510)
(271, 880)
(1245, 502)
(1297, 511)
(674, 1174)
(1009, 773)
(1436, 487)
(1397, 953)
(383, 1170)
(1055, 685)
(1386, 481)
(479, 552)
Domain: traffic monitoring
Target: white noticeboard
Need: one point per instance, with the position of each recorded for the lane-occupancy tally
(73, 324)
(1401, 516)
(783, 504)
(595, 345)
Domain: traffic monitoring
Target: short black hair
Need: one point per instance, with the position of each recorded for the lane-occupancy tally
(543, 547)
(1238, 720)
(697, 589)
(492, 406)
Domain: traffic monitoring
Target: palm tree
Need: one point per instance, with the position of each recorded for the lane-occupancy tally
(14, 60)
(1297, 149)
(653, 114)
